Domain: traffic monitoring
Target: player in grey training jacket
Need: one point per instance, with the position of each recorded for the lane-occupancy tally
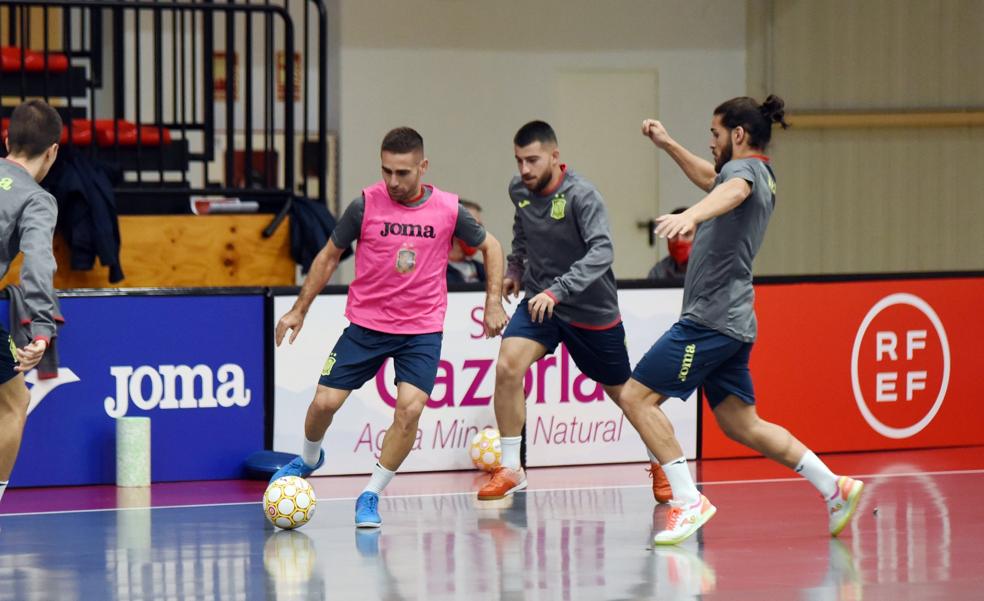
(27, 218)
(711, 344)
(562, 257)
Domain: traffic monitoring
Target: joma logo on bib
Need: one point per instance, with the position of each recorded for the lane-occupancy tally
(177, 387)
(414, 230)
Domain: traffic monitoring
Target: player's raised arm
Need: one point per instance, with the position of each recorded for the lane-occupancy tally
(721, 199)
(697, 170)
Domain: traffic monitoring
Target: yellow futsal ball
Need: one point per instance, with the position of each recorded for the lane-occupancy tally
(486, 450)
(289, 502)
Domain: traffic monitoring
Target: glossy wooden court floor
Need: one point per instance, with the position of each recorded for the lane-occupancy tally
(579, 533)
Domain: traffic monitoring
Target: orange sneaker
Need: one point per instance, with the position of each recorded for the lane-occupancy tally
(661, 486)
(504, 482)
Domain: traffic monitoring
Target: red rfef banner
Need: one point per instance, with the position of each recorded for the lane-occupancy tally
(868, 365)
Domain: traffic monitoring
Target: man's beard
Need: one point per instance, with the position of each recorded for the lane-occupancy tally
(403, 196)
(723, 158)
(540, 184)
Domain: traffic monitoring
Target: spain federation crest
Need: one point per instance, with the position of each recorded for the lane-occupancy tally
(558, 204)
(406, 260)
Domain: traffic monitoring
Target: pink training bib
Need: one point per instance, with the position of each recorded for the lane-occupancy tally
(401, 263)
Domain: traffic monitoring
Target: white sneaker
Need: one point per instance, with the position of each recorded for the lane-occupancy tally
(841, 506)
(681, 522)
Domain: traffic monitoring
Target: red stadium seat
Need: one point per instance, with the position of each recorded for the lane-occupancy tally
(150, 135)
(32, 60)
(10, 59)
(81, 134)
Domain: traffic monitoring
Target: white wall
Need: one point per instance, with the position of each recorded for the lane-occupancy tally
(467, 74)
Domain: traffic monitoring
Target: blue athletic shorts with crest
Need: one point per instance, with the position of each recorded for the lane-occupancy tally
(689, 356)
(599, 354)
(360, 352)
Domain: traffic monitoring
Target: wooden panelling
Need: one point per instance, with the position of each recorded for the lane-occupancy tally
(861, 120)
(886, 99)
(876, 200)
(182, 251)
(36, 16)
(878, 54)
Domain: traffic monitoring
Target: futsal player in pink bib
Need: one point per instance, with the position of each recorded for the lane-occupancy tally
(396, 304)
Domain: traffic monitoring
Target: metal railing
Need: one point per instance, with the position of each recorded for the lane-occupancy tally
(161, 76)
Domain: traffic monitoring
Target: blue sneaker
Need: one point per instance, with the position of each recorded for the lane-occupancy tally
(298, 468)
(366, 511)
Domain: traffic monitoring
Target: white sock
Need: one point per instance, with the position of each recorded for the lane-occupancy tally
(379, 479)
(681, 482)
(652, 458)
(510, 451)
(819, 475)
(3, 487)
(311, 452)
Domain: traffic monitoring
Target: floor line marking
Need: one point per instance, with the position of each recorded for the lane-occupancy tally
(4, 515)
(859, 476)
(538, 490)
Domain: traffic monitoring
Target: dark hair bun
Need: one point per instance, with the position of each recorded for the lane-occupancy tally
(774, 111)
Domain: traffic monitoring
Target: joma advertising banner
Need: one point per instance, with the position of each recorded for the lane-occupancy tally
(854, 366)
(192, 364)
(569, 418)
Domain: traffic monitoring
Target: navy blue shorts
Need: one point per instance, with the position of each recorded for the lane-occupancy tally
(688, 356)
(599, 354)
(360, 352)
(8, 360)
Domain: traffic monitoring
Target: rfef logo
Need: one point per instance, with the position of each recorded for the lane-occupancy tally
(900, 365)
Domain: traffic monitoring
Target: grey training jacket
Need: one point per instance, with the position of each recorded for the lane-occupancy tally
(27, 223)
(562, 244)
